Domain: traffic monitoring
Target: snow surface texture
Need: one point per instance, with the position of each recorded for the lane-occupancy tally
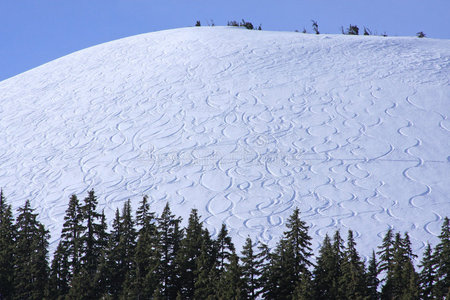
(242, 125)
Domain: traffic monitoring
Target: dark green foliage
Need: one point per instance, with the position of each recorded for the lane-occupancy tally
(170, 236)
(352, 30)
(420, 34)
(289, 261)
(243, 23)
(143, 281)
(250, 271)
(188, 255)
(367, 31)
(427, 274)
(386, 252)
(90, 238)
(205, 274)
(158, 261)
(401, 278)
(352, 283)
(372, 278)
(315, 27)
(7, 244)
(328, 270)
(442, 261)
(60, 276)
(30, 256)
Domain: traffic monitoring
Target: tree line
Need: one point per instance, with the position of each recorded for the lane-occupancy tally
(147, 256)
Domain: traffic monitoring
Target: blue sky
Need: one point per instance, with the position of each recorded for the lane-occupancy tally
(33, 32)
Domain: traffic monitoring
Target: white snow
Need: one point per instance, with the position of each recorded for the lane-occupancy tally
(242, 125)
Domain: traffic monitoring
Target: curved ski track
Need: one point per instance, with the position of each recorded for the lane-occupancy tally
(241, 125)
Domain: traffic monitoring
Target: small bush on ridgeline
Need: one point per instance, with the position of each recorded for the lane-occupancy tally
(244, 24)
(315, 27)
(198, 24)
(352, 30)
(367, 31)
(420, 34)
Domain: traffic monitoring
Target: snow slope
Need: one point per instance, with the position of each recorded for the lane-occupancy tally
(242, 125)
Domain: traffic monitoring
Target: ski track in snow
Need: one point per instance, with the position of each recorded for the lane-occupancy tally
(242, 125)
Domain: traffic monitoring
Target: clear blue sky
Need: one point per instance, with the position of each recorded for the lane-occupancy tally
(33, 32)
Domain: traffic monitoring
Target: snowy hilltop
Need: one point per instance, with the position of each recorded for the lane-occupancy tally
(242, 125)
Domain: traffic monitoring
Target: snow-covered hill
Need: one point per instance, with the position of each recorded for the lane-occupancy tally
(242, 125)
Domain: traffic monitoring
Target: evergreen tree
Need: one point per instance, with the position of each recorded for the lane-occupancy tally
(230, 283)
(60, 276)
(250, 271)
(401, 279)
(121, 249)
(327, 270)
(30, 261)
(441, 259)
(7, 244)
(372, 278)
(205, 273)
(170, 236)
(71, 235)
(290, 259)
(144, 280)
(93, 242)
(353, 280)
(427, 274)
(386, 252)
(90, 236)
(188, 255)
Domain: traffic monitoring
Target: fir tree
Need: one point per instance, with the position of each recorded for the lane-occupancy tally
(60, 276)
(290, 259)
(441, 259)
(372, 278)
(144, 281)
(71, 235)
(187, 257)
(327, 270)
(7, 244)
(250, 271)
(170, 236)
(204, 282)
(427, 274)
(30, 261)
(352, 281)
(230, 283)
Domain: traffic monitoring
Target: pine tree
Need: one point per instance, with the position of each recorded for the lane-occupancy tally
(93, 241)
(60, 276)
(7, 244)
(327, 270)
(205, 273)
(90, 236)
(386, 252)
(401, 279)
(427, 274)
(250, 271)
(290, 259)
(170, 236)
(441, 259)
(352, 281)
(372, 278)
(188, 255)
(230, 283)
(144, 281)
(30, 261)
(71, 235)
